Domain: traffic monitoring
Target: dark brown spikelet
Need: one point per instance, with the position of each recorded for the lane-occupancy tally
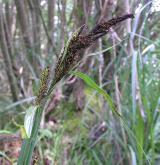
(105, 26)
(67, 59)
(43, 85)
(71, 53)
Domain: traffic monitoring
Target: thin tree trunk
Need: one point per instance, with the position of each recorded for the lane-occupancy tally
(36, 26)
(51, 8)
(25, 29)
(34, 6)
(24, 24)
(63, 22)
(7, 59)
(8, 15)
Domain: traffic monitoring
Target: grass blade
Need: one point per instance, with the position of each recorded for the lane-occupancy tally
(94, 86)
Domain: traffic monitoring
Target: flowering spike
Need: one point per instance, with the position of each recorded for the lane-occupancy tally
(43, 85)
(71, 52)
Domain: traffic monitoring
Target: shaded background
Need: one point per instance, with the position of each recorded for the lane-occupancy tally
(78, 127)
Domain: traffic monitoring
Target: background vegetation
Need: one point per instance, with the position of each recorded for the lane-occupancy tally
(78, 127)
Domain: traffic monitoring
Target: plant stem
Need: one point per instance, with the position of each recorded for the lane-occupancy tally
(29, 144)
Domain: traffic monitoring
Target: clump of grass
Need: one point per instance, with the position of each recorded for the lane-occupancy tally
(69, 58)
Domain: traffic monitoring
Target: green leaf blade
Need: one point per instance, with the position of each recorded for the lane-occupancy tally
(94, 86)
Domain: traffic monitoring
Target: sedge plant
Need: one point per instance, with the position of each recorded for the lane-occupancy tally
(71, 55)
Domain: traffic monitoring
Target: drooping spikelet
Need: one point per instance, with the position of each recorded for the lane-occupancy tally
(105, 26)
